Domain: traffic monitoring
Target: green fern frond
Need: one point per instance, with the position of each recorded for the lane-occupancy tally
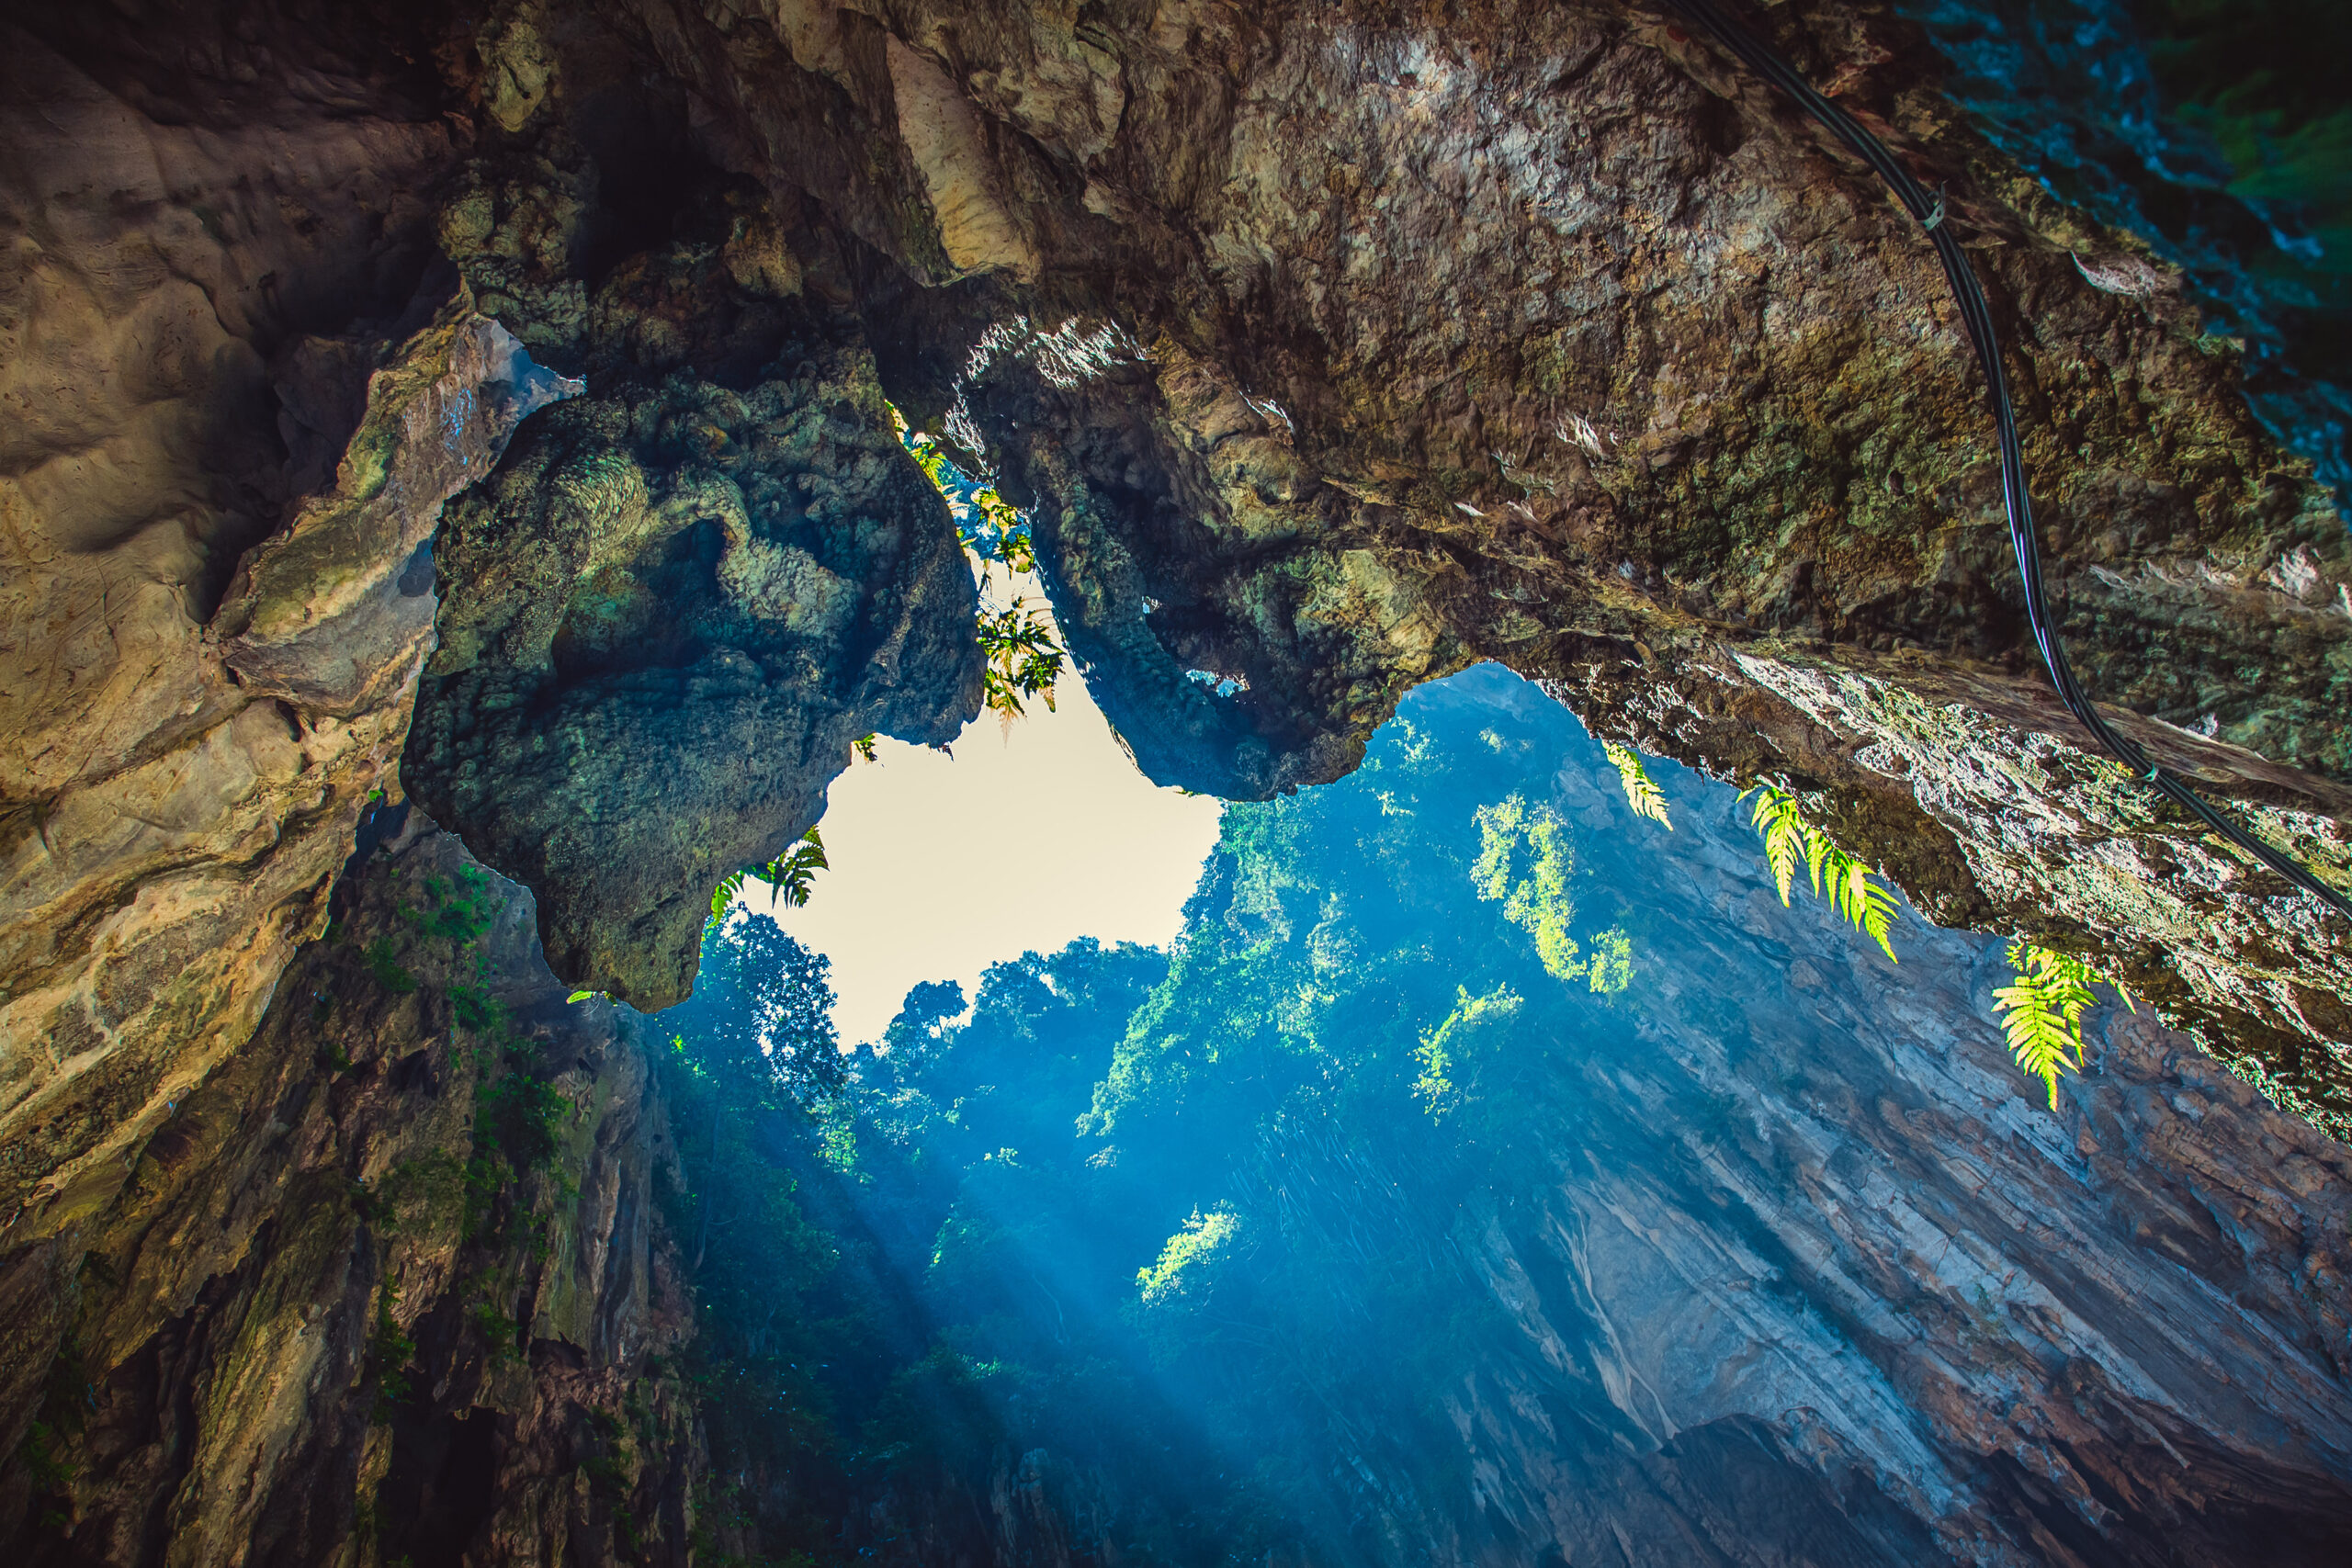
(1847, 883)
(2042, 1011)
(721, 896)
(791, 876)
(1641, 793)
(1777, 818)
(1018, 658)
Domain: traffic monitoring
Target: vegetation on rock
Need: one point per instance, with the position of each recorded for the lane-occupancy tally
(1790, 841)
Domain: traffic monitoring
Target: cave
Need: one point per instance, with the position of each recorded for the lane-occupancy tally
(1680, 672)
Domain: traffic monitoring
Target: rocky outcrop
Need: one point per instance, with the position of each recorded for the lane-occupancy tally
(187, 790)
(1772, 1253)
(669, 614)
(1580, 353)
(680, 601)
(1337, 350)
(1812, 1249)
(391, 1282)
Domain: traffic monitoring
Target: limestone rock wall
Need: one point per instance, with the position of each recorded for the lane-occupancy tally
(1805, 1263)
(185, 780)
(1337, 348)
(390, 1283)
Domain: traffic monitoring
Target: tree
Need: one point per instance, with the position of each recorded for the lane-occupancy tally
(761, 1018)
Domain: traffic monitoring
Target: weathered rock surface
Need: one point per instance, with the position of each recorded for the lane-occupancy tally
(1542, 336)
(353, 1303)
(679, 602)
(216, 333)
(1814, 1251)
(1336, 349)
(185, 792)
(1780, 1262)
(667, 616)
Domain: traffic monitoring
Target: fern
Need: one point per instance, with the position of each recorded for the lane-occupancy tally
(1785, 834)
(1643, 795)
(2042, 1012)
(1847, 883)
(988, 525)
(789, 877)
(721, 896)
(1862, 903)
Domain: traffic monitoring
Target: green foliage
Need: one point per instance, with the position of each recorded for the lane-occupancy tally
(507, 1336)
(2280, 118)
(474, 1009)
(459, 910)
(759, 1024)
(1183, 1272)
(518, 1128)
(1019, 657)
(1612, 967)
(1847, 883)
(1439, 1046)
(42, 1455)
(790, 877)
(1155, 1209)
(2041, 1010)
(1540, 903)
(383, 961)
(1641, 793)
(392, 1353)
(988, 525)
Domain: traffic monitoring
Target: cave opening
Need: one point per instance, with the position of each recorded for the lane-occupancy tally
(1221, 785)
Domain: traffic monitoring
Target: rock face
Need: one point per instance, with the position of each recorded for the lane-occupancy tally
(189, 790)
(1335, 350)
(1808, 1264)
(682, 599)
(669, 615)
(1338, 349)
(1576, 351)
(391, 1283)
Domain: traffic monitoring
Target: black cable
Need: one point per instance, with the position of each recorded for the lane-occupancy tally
(1977, 317)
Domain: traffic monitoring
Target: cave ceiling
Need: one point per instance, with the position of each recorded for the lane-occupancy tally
(1334, 347)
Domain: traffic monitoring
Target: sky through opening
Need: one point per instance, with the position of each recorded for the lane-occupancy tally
(1025, 841)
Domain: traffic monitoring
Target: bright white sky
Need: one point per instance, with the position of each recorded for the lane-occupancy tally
(940, 868)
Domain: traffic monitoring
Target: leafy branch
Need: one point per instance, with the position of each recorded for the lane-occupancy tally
(1542, 903)
(1641, 793)
(1846, 882)
(790, 877)
(1022, 659)
(2042, 1012)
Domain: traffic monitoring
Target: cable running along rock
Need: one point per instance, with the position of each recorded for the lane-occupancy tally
(1977, 317)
